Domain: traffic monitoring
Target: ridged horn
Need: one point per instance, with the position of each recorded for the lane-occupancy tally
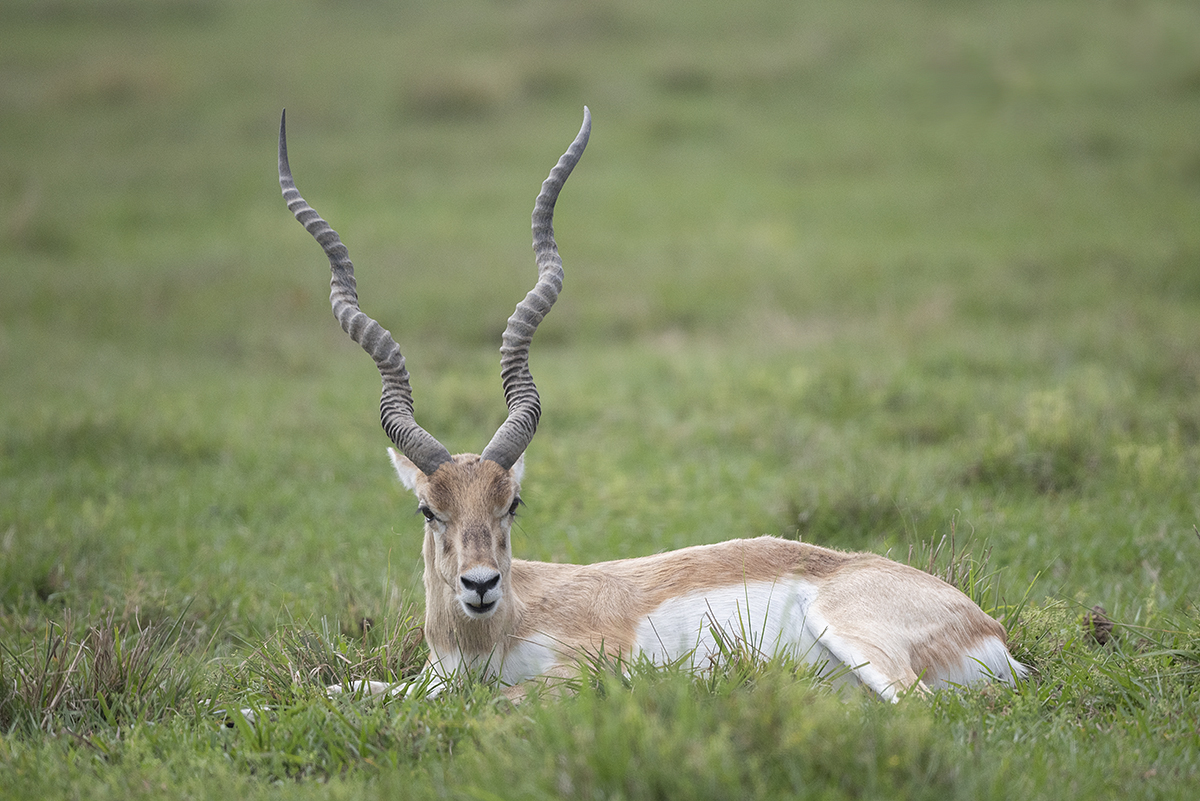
(524, 407)
(395, 405)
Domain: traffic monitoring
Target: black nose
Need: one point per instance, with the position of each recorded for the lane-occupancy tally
(480, 586)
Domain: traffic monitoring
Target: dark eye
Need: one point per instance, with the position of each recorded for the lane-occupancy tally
(512, 510)
(429, 515)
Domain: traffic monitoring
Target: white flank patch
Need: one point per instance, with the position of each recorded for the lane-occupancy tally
(769, 618)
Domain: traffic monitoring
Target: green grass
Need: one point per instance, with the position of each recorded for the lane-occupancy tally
(920, 278)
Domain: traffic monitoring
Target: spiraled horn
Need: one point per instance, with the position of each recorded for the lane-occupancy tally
(396, 405)
(524, 407)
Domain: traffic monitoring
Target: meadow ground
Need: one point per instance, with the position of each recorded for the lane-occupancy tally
(920, 278)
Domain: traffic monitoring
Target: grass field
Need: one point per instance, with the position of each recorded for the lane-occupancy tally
(919, 278)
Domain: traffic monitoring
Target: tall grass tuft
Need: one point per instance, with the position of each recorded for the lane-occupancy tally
(113, 674)
(299, 661)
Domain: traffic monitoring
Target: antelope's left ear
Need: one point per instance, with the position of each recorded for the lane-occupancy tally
(405, 469)
(517, 471)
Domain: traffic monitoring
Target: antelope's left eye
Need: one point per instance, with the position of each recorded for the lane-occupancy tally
(512, 510)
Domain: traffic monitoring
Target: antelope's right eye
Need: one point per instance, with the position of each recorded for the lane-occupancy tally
(429, 515)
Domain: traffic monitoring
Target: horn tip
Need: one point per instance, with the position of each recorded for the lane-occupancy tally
(284, 168)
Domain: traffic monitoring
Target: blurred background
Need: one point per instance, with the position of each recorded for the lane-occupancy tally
(864, 272)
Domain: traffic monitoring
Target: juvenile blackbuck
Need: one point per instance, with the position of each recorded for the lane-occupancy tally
(865, 618)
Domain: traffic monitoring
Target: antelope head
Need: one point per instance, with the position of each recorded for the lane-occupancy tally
(469, 504)
(468, 501)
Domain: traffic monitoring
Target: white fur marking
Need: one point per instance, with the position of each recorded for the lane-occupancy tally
(534, 656)
(988, 659)
(527, 659)
(768, 617)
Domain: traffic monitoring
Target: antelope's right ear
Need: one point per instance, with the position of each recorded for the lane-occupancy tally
(517, 471)
(405, 469)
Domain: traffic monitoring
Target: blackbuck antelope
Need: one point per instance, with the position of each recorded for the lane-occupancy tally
(868, 619)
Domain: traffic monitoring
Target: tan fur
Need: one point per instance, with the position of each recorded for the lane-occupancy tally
(906, 623)
(881, 598)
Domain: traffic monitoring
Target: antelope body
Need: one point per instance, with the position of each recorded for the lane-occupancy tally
(859, 616)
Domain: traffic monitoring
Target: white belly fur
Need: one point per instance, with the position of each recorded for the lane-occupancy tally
(769, 618)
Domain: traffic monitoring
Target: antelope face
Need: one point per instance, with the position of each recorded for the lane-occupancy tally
(469, 504)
